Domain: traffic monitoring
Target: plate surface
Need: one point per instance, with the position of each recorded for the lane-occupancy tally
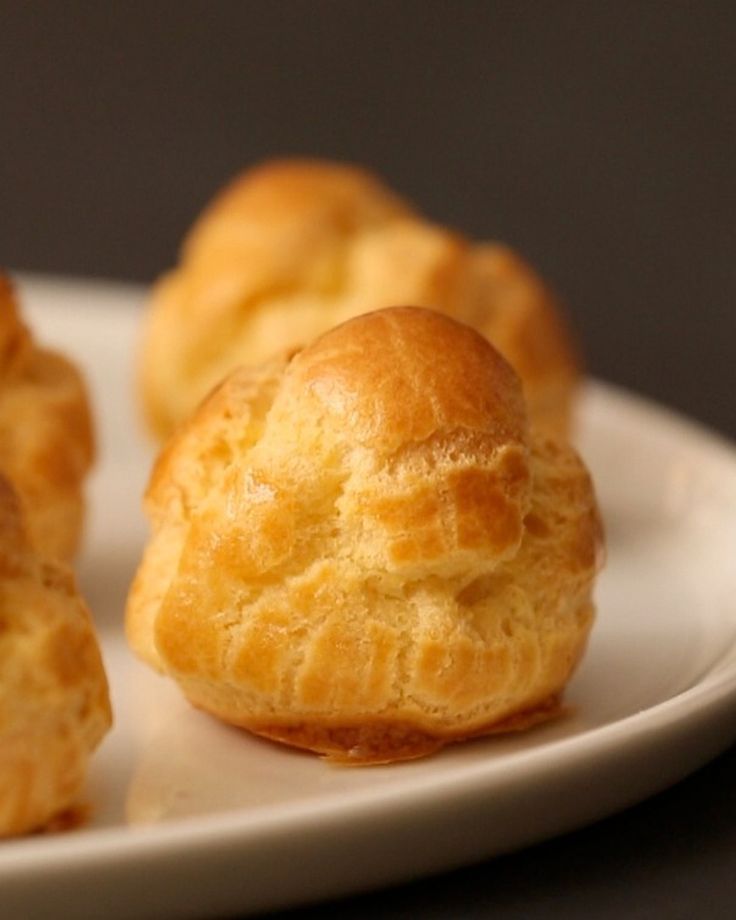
(193, 819)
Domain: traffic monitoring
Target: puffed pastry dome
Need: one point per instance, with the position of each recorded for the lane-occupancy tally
(359, 550)
(46, 441)
(292, 248)
(54, 706)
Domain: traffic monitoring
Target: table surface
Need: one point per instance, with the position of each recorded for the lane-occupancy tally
(600, 141)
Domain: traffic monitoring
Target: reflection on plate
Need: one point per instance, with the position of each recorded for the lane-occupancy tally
(216, 821)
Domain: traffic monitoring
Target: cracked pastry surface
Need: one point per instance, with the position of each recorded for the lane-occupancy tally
(359, 549)
(54, 705)
(46, 440)
(295, 247)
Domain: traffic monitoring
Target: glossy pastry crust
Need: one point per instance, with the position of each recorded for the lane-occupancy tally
(292, 248)
(54, 705)
(359, 549)
(46, 440)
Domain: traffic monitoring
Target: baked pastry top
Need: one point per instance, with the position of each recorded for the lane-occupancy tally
(292, 248)
(46, 441)
(360, 549)
(54, 705)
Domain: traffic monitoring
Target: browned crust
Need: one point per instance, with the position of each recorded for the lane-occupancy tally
(373, 741)
(384, 365)
(291, 191)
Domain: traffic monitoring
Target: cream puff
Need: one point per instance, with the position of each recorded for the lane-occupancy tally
(54, 704)
(46, 437)
(292, 248)
(360, 549)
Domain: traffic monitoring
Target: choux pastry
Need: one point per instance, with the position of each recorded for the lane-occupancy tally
(54, 705)
(46, 439)
(360, 549)
(292, 248)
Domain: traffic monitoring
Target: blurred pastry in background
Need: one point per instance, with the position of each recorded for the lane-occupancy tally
(294, 247)
(46, 439)
(359, 549)
(54, 704)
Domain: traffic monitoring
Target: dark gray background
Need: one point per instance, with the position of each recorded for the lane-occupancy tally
(599, 139)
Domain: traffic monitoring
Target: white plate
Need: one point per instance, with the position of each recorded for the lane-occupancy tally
(194, 819)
